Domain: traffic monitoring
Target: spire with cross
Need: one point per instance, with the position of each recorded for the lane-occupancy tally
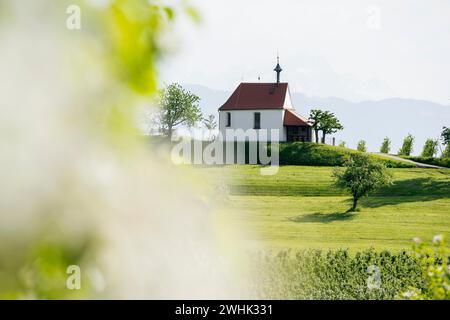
(278, 70)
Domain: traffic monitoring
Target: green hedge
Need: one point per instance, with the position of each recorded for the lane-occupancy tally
(334, 275)
(441, 162)
(313, 154)
(305, 153)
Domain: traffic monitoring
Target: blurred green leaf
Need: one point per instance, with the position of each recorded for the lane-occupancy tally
(194, 14)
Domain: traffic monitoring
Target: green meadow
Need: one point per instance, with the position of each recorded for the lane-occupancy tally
(300, 208)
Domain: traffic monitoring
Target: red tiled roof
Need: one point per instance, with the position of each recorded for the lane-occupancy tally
(291, 118)
(257, 96)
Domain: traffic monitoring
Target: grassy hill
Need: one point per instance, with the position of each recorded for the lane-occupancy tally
(299, 153)
(300, 208)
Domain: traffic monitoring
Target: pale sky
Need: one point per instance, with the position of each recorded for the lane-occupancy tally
(352, 49)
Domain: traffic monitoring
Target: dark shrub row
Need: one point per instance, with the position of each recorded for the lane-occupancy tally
(441, 162)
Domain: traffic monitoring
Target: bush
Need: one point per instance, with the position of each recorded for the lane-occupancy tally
(434, 259)
(441, 162)
(430, 148)
(446, 152)
(386, 146)
(361, 146)
(336, 275)
(407, 146)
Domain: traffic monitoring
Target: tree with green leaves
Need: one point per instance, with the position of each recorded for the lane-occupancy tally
(361, 146)
(386, 146)
(210, 124)
(329, 124)
(445, 136)
(178, 107)
(446, 152)
(430, 148)
(407, 146)
(316, 116)
(324, 121)
(360, 176)
(342, 144)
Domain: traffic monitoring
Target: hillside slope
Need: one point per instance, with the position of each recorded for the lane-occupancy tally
(300, 208)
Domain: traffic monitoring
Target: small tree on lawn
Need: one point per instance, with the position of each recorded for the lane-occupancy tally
(445, 136)
(361, 146)
(407, 147)
(210, 124)
(430, 148)
(361, 176)
(329, 124)
(342, 144)
(178, 107)
(316, 116)
(386, 145)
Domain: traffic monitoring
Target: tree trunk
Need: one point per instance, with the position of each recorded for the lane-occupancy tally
(355, 203)
(169, 134)
(317, 135)
(323, 137)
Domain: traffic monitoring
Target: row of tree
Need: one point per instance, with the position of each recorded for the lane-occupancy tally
(430, 148)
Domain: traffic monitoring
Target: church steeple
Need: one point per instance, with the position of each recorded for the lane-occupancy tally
(278, 70)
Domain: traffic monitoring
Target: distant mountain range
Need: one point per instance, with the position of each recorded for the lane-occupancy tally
(367, 120)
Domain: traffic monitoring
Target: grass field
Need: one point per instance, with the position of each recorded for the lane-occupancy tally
(300, 208)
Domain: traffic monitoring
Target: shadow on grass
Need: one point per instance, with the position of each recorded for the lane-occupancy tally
(412, 190)
(417, 187)
(376, 202)
(323, 217)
